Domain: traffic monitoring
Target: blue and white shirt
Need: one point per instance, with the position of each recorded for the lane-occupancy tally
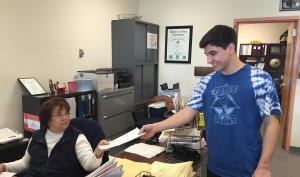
(234, 107)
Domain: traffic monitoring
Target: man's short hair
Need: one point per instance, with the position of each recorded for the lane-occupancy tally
(220, 36)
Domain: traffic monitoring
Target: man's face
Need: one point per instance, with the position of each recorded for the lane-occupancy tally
(218, 57)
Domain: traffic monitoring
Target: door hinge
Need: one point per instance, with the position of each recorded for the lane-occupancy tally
(289, 82)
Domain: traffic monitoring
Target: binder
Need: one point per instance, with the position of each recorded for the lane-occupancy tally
(80, 106)
(259, 49)
(72, 103)
(87, 105)
(93, 105)
(254, 50)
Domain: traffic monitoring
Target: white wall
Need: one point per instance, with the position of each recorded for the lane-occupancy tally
(203, 15)
(295, 140)
(264, 32)
(41, 39)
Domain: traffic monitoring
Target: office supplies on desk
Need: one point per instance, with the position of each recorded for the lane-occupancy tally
(183, 135)
(181, 153)
(8, 135)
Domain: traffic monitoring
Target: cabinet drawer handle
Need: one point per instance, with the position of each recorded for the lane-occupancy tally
(117, 95)
(116, 114)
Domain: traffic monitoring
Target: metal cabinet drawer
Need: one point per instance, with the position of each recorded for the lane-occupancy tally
(116, 122)
(117, 100)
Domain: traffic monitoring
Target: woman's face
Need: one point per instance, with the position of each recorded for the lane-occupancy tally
(59, 121)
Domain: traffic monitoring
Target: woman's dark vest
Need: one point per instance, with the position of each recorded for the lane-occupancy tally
(62, 161)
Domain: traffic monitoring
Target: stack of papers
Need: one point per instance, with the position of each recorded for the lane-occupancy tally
(183, 135)
(160, 169)
(187, 132)
(157, 169)
(158, 104)
(145, 150)
(8, 135)
(132, 168)
(109, 169)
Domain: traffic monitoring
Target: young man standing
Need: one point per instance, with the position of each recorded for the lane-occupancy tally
(236, 99)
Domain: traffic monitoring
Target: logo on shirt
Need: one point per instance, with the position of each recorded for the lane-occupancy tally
(224, 104)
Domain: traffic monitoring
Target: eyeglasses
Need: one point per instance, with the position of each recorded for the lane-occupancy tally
(60, 115)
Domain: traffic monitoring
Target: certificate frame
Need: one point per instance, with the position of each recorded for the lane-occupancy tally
(178, 44)
(289, 5)
(32, 86)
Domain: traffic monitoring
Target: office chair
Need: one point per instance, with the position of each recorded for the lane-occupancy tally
(93, 132)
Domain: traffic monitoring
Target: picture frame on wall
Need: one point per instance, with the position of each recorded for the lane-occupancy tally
(32, 86)
(288, 5)
(178, 44)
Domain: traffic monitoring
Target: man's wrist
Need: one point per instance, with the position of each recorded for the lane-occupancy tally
(263, 165)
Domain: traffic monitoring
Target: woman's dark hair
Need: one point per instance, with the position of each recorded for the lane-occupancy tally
(45, 111)
(220, 36)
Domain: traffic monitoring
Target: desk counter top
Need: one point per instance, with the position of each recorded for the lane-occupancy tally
(162, 157)
(12, 151)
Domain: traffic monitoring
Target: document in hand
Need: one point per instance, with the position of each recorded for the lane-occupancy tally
(108, 169)
(133, 134)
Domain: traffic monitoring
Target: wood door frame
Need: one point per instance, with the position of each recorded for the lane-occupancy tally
(295, 63)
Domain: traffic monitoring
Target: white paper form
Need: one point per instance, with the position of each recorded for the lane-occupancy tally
(133, 134)
(145, 150)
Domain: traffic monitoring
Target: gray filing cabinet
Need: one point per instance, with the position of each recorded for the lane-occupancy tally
(114, 113)
(131, 51)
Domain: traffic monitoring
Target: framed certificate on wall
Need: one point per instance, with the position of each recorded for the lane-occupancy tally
(32, 86)
(178, 44)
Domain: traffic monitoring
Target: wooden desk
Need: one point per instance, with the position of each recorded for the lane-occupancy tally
(13, 151)
(162, 157)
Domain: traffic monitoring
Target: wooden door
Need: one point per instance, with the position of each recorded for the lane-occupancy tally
(291, 75)
(285, 87)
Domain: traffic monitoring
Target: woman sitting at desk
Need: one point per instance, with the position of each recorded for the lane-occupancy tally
(58, 149)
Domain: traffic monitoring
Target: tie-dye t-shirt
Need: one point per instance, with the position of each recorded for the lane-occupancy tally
(234, 107)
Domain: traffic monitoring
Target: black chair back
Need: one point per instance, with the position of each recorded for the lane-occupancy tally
(93, 132)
